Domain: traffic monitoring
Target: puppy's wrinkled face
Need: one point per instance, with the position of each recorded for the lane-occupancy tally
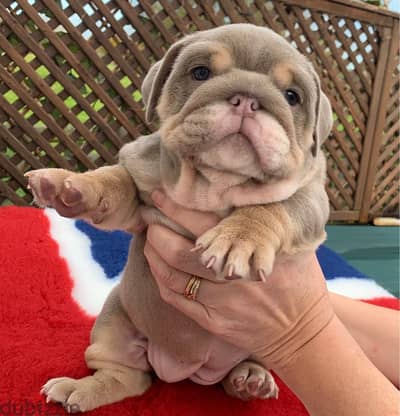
(239, 99)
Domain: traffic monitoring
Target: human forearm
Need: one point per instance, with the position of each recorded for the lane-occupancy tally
(375, 329)
(349, 385)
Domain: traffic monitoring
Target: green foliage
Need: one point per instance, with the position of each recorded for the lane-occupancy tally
(379, 3)
(14, 39)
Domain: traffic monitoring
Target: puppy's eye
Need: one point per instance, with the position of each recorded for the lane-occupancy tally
(292, 97)
(201, 73)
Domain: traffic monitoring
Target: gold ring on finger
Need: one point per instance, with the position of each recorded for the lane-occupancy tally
(191, 288)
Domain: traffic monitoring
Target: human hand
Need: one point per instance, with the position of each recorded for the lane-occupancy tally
(271, 319)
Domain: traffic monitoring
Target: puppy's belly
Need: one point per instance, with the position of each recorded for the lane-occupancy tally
(177, 347)
(210, 368)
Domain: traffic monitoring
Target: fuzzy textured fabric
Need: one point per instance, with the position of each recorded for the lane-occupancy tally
(54, 276)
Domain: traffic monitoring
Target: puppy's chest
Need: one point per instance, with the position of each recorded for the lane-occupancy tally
(152, 167)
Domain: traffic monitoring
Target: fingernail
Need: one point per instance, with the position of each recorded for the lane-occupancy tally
(158, 197)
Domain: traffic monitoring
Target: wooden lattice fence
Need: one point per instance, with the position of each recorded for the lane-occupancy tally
(71, 71)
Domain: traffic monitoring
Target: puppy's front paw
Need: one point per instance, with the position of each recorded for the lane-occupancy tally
(233, 249)
(249, 380)
(46, 184)
(71, 194)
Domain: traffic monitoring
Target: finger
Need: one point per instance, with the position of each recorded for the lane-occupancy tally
(172, 284)
(168, 277)
(137, 228)
(175, 250)
(175, 280)
(193, 309)
(196, 222)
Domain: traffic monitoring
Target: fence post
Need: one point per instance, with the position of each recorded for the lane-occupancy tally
(375, 135)
(377, 115)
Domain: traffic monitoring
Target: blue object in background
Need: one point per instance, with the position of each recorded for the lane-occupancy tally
(334, 265)
(109, 248)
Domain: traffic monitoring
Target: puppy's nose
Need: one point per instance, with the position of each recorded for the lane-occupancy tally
(244, 105)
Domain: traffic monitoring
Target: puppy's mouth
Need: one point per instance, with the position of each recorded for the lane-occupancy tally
(218, 138)
(234, 154)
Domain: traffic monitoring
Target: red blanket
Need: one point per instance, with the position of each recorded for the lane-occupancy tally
(44, 332)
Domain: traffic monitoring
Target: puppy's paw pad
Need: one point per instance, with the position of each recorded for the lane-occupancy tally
(84, 196)
(46, 184)
(70, 193)
(249, 381)
(269, 390)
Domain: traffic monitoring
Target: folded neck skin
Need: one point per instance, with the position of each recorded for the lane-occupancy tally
(245, 158)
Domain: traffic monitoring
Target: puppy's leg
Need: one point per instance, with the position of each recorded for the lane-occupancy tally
(105, 197)
(117, 353)
(249, 380)
(245, 243)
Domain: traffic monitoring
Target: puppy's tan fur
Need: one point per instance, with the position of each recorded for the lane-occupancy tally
(263, 173)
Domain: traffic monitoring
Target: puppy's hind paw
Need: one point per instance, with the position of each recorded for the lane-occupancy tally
(249, 380)
(62, 390)
(104, 387)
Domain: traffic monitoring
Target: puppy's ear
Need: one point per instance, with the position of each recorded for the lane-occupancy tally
(148, 82)
(156, 78)
(323, 117)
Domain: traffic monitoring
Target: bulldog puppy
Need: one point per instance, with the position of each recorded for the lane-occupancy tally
(242, 121)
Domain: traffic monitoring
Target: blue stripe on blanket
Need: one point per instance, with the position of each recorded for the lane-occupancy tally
(110, 250)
